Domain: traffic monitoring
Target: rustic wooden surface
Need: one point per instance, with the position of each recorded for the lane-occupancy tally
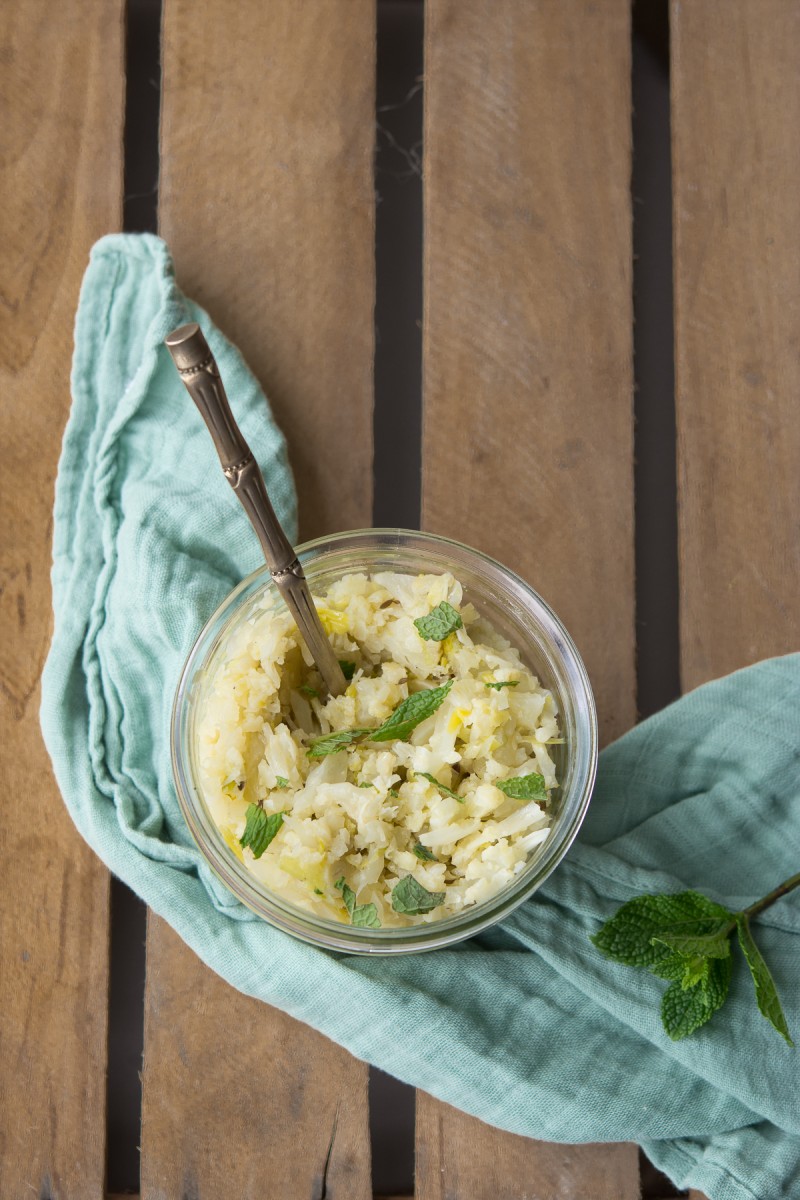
(280, 251)
(736, 161)
(267, 201)
(61, 187)
(528, 397)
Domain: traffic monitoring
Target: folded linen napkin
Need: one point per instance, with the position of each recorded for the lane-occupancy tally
(533, 1030)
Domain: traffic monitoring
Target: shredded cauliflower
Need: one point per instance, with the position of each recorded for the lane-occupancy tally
(356, 822)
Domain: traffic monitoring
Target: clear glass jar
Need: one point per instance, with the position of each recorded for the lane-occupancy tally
(515, 610)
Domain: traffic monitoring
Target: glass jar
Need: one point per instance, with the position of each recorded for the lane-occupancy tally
(515, 610)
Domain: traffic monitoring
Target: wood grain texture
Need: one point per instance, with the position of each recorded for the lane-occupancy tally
(239, 1099)
(527, 381)
(736, 161)
(61, 91)
(267, 203)
(528, 446)
(458, 1156)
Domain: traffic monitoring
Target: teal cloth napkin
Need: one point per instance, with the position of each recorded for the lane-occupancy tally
(527, 1026)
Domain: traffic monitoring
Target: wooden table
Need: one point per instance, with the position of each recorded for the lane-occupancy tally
(267, 200)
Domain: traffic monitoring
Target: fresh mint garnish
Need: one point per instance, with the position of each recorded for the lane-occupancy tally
(348, 668)
(423, 853)
(412, 898)
(409, 714)
(439, 622)
(259, 829)
(504, 683)
(766, 993)
(364, 916)
(524, 787)
(686, 938)
(403, 721)
(331, 743)
(432, 779)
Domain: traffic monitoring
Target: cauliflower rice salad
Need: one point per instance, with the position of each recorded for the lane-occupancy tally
(422, 789)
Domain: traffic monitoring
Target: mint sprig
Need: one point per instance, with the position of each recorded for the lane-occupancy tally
(364, 916)
(438, 623)
(686, 938)
(259, 829)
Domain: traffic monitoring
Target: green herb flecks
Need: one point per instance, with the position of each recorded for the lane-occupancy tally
(307, 690)
(446, 790)
(364, 916)
(260, 829)
(439, 622)
(686, 939)
(348, 668)
(504, 683)
(524, 787)
(412, 898)
(281, 782)
(424, 854)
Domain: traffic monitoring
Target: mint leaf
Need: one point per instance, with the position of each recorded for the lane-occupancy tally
(438, 623)
(331, 743)
(709, 941)
(628, 936)
(409, 714)
(348, 895)
(260, 829)
(524, 787)
(281, 782)
(502, 684)
(685, 1009)
(363, 915)
(423, 853)
(348, 668)
(411, 897)
(766, 993)
(432, 779)
(309, 691)
(405, 718)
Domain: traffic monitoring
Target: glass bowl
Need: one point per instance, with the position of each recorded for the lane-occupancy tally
(515, 610)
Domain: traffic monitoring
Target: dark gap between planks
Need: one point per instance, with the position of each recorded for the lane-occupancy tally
(397, 422)
(128, 913)
(655, 483)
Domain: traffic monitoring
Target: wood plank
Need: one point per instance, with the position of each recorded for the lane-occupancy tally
(736, 177)
(528, 447)
(737, 296)
(459, 1156)
(267, 202)
(61, 187)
